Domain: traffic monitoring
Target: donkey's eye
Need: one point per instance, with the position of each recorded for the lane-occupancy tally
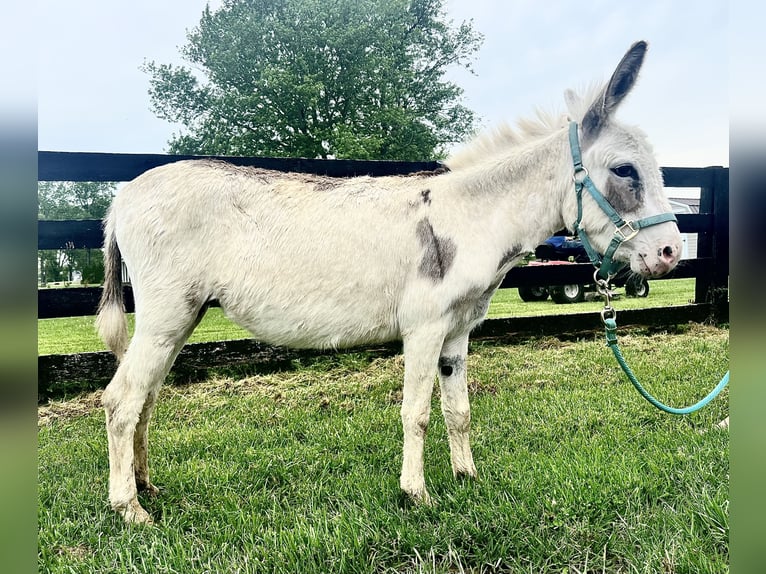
(625, 170)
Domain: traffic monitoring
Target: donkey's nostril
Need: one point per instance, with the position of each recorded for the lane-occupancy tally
(667, 253)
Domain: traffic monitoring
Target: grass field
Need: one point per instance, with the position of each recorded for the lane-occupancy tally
(297, 470)
(77, 334)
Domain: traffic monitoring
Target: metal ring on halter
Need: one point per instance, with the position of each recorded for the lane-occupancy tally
(582, 169)
(602, 285)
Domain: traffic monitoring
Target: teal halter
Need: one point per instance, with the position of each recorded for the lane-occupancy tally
(624, 230)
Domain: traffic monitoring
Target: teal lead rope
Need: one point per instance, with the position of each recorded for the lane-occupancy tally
(609, 318)
(611, 341)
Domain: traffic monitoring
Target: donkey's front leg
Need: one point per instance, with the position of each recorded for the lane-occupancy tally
(421, 352)
(455, 405)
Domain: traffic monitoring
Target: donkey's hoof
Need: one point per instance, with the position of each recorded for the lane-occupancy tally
(420, 497)
(133, 513)
(464, 471)
(147, 488)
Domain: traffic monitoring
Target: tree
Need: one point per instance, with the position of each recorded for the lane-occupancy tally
(72, 200)
(358, 79)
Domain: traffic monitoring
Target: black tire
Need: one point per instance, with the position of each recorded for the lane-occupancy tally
(529, 294)
(637, 287)
(568, 293)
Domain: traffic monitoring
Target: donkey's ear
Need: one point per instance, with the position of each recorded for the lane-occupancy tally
(571, 99)
(620, 84)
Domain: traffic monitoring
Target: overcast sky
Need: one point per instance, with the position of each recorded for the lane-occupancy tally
(92, 95)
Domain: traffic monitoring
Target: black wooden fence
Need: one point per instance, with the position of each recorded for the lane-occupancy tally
(710, 268)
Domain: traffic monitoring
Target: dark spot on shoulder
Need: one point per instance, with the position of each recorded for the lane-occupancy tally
(425, 195)
(438, 252)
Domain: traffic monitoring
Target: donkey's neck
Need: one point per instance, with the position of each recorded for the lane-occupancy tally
(522, 195)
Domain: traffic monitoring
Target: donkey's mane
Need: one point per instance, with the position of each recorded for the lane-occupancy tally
(502, 137)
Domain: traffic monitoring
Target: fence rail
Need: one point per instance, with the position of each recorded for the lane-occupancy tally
(710, 268)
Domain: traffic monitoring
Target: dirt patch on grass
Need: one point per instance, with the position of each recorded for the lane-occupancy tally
(79, 552)
(68, 409)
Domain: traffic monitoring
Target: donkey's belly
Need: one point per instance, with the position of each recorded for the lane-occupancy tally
(312, 323)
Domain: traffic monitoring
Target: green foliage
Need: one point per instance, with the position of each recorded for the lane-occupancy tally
(316, 78)
(53, 266)
(72, 200)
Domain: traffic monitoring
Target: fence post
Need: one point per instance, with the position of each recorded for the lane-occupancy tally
(712, 285)
(704, 244)
(719, 291)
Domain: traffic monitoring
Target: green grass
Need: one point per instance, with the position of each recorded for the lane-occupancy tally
(297, 470)
(78, 335)
(667, 293)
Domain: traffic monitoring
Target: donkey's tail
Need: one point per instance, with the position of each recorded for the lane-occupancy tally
(111, 323)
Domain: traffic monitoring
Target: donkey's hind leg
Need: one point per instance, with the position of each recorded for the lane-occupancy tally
(141, 437)
(455, 405)
(141, 446)
(129, 400)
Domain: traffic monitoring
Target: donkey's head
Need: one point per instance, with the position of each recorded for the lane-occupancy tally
(619, 165)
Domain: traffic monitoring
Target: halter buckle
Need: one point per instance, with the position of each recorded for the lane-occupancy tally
(632, 231)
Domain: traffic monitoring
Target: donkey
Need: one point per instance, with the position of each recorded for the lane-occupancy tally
(315, 262)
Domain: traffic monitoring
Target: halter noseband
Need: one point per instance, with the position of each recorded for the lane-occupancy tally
(624, 230)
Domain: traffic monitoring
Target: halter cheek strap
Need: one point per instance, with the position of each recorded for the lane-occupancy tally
(606, 266)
